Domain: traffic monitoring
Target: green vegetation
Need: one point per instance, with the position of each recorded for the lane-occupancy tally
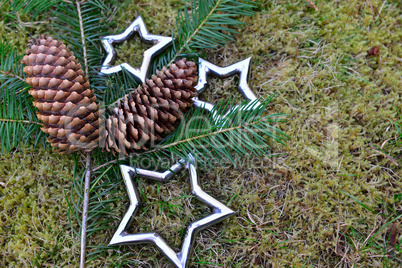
(333, 195)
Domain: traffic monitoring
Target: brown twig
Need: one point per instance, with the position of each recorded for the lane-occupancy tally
(85, 205)
(12, 75)
(84, 48)
(28, 24)
(384, 154)
(313, 5)
(108, 163)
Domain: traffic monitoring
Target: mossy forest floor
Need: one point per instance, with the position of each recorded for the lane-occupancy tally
(332, 199)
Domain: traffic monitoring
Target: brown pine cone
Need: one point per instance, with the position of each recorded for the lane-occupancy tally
(152, 111)
(66, 104)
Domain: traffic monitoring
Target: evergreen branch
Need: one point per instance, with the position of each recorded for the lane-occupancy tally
(189, 39)
(243, 127)
(85, 21)
(243, 131)
(18, 122)
(208, 24)
(81, 24)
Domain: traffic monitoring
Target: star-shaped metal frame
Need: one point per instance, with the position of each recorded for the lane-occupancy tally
(122, 237)
(137, 26)
(207, 69)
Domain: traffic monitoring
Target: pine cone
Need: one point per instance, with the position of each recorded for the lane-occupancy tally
(66, 104)
(152, 111)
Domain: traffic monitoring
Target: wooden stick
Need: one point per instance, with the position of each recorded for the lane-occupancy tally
(85, 210)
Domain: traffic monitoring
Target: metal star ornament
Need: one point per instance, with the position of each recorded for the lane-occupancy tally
(180, 260)
(207, 69)
(137, 26)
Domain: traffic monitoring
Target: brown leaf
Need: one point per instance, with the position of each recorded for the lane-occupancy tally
(374, 51)
(391, 234)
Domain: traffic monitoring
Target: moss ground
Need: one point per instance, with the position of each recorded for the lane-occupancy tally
(328, 201)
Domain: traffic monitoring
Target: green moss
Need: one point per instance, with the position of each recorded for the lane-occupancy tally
(292, 211)
(34, 225)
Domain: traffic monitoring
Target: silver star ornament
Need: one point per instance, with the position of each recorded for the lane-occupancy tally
(207, 69)
(181, 259)
(137, 26)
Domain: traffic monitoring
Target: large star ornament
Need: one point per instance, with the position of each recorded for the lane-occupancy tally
(159, 44)
(122, 237)
(207, 69)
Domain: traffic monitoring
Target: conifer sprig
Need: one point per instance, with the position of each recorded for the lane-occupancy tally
(210, 23)
(205, 24)
(18, 120)
(212, 138)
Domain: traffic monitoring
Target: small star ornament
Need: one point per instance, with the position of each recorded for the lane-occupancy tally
(207, 69)
(137, 26)
(181, 259)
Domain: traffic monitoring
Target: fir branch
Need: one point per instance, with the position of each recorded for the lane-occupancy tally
(185, 43)
(211, 23)
(86, 199)
(207, 24)
(78, 20)
(209, 135)
(82, 24)
(18, 122)
(244, 131)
